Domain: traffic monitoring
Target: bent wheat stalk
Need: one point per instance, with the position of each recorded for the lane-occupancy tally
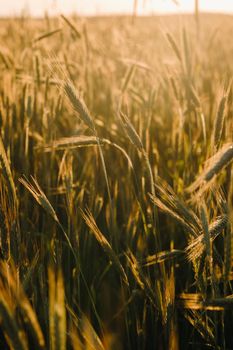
(78, 105)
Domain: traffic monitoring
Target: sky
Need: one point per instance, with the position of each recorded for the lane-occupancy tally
(93, 7)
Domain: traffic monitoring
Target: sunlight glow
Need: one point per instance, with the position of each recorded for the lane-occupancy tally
(93, 7)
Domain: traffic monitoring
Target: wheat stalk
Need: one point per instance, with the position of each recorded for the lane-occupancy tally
(219, 122)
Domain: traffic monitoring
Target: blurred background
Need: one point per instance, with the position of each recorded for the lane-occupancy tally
(104, 7)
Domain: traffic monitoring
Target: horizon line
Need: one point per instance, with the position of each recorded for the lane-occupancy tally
(113, 14)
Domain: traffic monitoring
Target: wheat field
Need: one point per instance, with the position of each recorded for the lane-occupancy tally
(116, 183)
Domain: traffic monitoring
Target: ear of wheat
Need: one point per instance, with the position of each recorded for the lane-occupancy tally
(212, 168)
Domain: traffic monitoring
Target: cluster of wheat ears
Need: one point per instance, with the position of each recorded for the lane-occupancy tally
(116, 184)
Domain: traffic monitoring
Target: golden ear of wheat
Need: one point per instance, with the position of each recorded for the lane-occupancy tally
(212, 168)
(131, 132)
(39, 196)
(196, 248)
(91, 223)
(78, 105)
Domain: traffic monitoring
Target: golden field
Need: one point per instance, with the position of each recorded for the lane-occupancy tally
(116, 183)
